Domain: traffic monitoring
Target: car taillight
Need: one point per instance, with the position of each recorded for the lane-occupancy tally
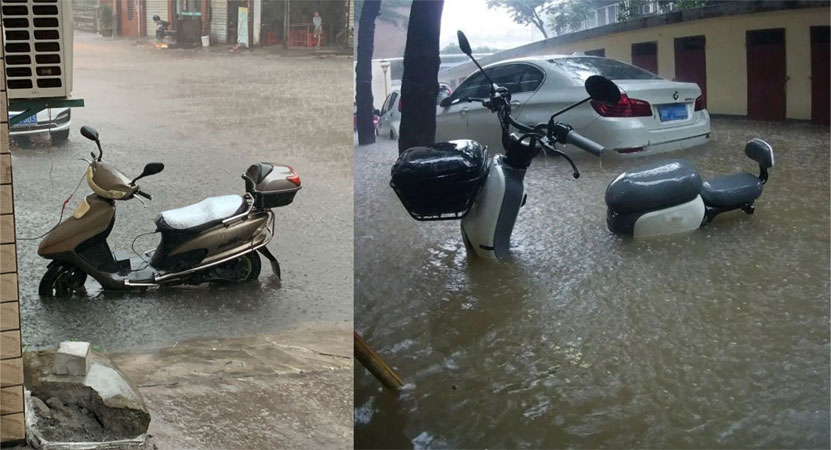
(625, 107)
(699, 103)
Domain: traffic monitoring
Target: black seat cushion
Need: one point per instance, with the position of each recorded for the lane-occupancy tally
(654, 186)
(731, 190)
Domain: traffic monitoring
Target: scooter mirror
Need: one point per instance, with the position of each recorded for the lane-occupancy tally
(150, 169)
(463, 43)
(602, 89)
(89, 133)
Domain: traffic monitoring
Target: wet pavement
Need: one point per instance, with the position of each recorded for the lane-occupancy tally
(207, 114)
(286, 389)
(718, 338)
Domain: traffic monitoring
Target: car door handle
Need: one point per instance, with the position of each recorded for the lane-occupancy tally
(464, 110)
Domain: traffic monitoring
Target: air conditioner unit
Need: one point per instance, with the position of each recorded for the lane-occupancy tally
(38, 47)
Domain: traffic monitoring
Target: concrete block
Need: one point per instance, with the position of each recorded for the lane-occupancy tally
(72, 358)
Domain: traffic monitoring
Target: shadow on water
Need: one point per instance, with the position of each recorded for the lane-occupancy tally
(714, 338)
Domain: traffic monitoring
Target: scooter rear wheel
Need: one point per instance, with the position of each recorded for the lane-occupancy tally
(238, 270)
(61, 280)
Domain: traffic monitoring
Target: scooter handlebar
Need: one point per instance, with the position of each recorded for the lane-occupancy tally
(144, 194)
(584, 143)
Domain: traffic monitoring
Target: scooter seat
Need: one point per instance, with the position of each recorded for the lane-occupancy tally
(654, 186)
(201, 215)
(731, 190)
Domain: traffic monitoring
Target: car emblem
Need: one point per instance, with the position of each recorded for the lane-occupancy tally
(675, 95)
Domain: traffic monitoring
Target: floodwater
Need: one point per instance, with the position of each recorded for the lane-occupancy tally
(207, 114)
(718, 338)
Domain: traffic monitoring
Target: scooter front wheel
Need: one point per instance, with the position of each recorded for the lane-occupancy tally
(61, 280)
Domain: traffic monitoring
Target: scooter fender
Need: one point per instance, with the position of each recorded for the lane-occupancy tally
(489, 224)
(680, 218)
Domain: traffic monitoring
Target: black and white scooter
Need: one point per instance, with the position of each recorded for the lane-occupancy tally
(668, 197)
(458, 180)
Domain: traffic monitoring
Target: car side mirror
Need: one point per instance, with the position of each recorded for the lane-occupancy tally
(602, 89)
(445, 102)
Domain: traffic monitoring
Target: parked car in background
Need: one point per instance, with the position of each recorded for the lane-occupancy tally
(390, 121)
(376, 119)
(40, 124)
(391, 111)
(654, 114)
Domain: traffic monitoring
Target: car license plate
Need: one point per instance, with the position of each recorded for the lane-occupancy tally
(673, 112)
(28, 121)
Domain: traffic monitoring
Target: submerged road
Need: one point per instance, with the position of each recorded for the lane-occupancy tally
(717, 338)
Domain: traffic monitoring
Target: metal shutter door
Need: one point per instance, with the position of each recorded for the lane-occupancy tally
(155, 8)
(219, 22)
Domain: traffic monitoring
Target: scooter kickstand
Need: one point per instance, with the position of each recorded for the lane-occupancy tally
(275, 266)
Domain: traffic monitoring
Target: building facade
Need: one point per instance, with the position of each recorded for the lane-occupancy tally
(219, 19)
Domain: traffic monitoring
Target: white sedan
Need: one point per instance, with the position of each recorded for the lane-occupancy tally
(653, 114)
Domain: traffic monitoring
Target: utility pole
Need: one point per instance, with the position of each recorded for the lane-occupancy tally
(286, 17)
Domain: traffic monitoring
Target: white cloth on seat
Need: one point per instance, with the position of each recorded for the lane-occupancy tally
(208, 210)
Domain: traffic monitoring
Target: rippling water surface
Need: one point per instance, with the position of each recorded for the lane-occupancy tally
(714, 338)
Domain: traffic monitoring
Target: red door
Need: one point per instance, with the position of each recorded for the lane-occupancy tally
(766, 74)
(820, 75)
(691, 62)
(128, 14)
(645, 56)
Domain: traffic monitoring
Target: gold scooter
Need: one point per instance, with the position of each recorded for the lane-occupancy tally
(215, 240)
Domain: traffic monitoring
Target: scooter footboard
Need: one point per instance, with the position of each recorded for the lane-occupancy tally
(490, 223)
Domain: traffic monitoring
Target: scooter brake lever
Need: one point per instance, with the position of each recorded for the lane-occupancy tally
(85, 160)
(140, 200)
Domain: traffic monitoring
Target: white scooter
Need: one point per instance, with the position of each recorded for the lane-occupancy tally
(457, 180)
(668, 197)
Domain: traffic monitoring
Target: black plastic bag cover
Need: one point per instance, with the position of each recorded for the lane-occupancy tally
(440, 178)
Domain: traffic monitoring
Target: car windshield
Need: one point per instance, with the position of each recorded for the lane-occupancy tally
(580, 68)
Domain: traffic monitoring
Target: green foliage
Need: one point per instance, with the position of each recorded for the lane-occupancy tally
(630, 9)
(105, 15)
(567, 16)
(690, 4)
(389, 11)
(525, 11)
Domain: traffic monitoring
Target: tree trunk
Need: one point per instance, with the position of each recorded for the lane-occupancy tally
(420, 85)
(363, 71)
(540, 24)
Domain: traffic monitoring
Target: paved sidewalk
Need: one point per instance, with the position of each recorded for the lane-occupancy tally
(288, 389)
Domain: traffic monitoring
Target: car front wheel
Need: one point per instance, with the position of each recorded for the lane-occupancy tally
(59, 137)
